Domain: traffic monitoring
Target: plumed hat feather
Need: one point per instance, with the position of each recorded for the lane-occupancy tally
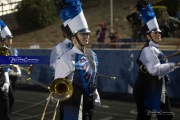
(70, 8)
(148, 15)
(146, 10)
(73, 17)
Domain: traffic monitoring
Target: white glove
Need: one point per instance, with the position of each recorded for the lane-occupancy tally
(97, 102)
(178, 64)
(174, 65)
(12, 72)
(5, 87)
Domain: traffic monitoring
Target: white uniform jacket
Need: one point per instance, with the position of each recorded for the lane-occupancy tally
(59, 50)
(80, 68)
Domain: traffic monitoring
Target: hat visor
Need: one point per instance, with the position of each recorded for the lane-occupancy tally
(156, 30)
(85, 31)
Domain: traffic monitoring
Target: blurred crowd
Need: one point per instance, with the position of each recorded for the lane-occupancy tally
(170, 26)
(101, 34)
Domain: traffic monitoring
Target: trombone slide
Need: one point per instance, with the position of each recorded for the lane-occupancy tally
(44, 112)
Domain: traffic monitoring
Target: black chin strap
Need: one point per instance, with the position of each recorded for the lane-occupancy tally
(151, 37)
(78, 40)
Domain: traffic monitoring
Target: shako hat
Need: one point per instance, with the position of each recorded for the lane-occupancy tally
(148, 15)
(73, 18)
(5, 32)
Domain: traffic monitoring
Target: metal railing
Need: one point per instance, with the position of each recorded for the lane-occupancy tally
(119, 45)
(9, 7)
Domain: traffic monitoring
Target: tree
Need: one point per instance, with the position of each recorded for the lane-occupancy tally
(34, 14)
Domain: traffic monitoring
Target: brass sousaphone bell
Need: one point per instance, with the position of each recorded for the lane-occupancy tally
(60, 89)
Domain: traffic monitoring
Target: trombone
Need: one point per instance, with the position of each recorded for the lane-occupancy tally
(60, 89)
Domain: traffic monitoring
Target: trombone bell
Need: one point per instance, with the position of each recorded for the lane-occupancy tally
(61, 89)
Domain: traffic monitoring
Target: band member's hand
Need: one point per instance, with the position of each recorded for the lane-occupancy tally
(97, 103)
(12, 72)
(178, 64)
(174, 65)
(5, 87)
(96, 99)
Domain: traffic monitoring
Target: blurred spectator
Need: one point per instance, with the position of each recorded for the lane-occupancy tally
(134, 18)
(142, 34)
(170, 26)
(164, 24)
(113, 38)
(101, 34)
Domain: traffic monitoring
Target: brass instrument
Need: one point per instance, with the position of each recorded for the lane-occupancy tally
(60, 89)
(27, 69)
(4, 51)
(143, 69)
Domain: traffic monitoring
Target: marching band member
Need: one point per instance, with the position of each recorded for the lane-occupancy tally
(78, 65)
(150, 87)
(14, 73)
(5, 89)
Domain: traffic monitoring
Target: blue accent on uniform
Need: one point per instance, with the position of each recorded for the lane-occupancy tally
(2, 24)
(72, 9)
(153, 95)
(6, 69)
(162, 58)
(16, 53)
(147, 13)
(69, 46)
(83, 75)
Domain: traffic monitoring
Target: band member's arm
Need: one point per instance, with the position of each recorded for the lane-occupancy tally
(14, 69)
(6, 84)
(55, 54)
(153, 65)
(63, 70)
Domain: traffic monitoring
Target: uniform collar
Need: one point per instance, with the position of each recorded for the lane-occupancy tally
(67, 40)
(154, 44)
(77, 50)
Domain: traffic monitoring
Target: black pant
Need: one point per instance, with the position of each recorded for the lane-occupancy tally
(4, 105)
(11, 98)
(145, 113)
(87, 110)
(13, 80)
